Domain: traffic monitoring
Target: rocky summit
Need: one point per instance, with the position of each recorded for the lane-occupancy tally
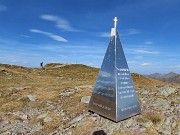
(54, 101)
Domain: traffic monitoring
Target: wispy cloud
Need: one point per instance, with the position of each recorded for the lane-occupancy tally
(146, 64)
(3, 8)
(133, 31)
(90, 51)
(141, 64)
(53, 36)
(60, 22)
(172, 59)
(103, 34)
(130, 32)
(140, 51)
(177, 67)
(148, 42)
(145, 51)
(138, 57)
(26, 36)
(132, 62)
(127, 32)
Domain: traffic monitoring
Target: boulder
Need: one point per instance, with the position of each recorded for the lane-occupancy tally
(32, 97)
(161, 103)
(67, 94)
(86, 99)
(166, 91)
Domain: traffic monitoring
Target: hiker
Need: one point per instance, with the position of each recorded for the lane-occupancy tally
(41, 64)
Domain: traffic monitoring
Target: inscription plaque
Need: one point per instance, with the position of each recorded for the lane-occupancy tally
(114, 95)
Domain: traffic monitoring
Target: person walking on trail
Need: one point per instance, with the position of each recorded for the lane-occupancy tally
(41, 64)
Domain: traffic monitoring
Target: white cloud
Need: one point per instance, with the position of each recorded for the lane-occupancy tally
(130, 32)
(177, 67)
(172, 59)
(60, 22)
(132, 61)
(103, 34)
(138, 57)
(146, 52)
(3, 8)
(13, 60)
(26, 36)
(148, 42)
(146, 64)
(133, 31)
(53, 36)
(127, 32)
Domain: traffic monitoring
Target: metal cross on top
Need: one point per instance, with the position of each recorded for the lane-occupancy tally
(115, 21)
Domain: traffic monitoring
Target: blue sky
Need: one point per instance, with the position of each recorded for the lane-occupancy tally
(66, 31)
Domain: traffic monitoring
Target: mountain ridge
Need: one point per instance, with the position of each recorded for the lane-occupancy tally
(169, 77)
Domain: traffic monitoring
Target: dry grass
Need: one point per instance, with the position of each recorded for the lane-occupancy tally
(47, 84)
(53, 125)
(149, 131)
(85, 128)
(154, 117)
(142, 119)
(130, 133)
(146, 83)
(11, 106)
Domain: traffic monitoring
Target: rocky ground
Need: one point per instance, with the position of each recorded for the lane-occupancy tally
(54, 101)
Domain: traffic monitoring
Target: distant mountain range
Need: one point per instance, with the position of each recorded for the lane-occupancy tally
(170, 77)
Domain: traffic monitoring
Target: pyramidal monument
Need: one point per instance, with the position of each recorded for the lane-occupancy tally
(114, 95)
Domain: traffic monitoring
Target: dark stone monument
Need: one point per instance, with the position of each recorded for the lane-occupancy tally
(114, 95)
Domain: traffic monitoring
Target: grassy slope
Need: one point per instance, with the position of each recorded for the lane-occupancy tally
(48, 84)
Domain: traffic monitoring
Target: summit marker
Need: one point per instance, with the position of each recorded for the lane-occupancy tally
(114, 95)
